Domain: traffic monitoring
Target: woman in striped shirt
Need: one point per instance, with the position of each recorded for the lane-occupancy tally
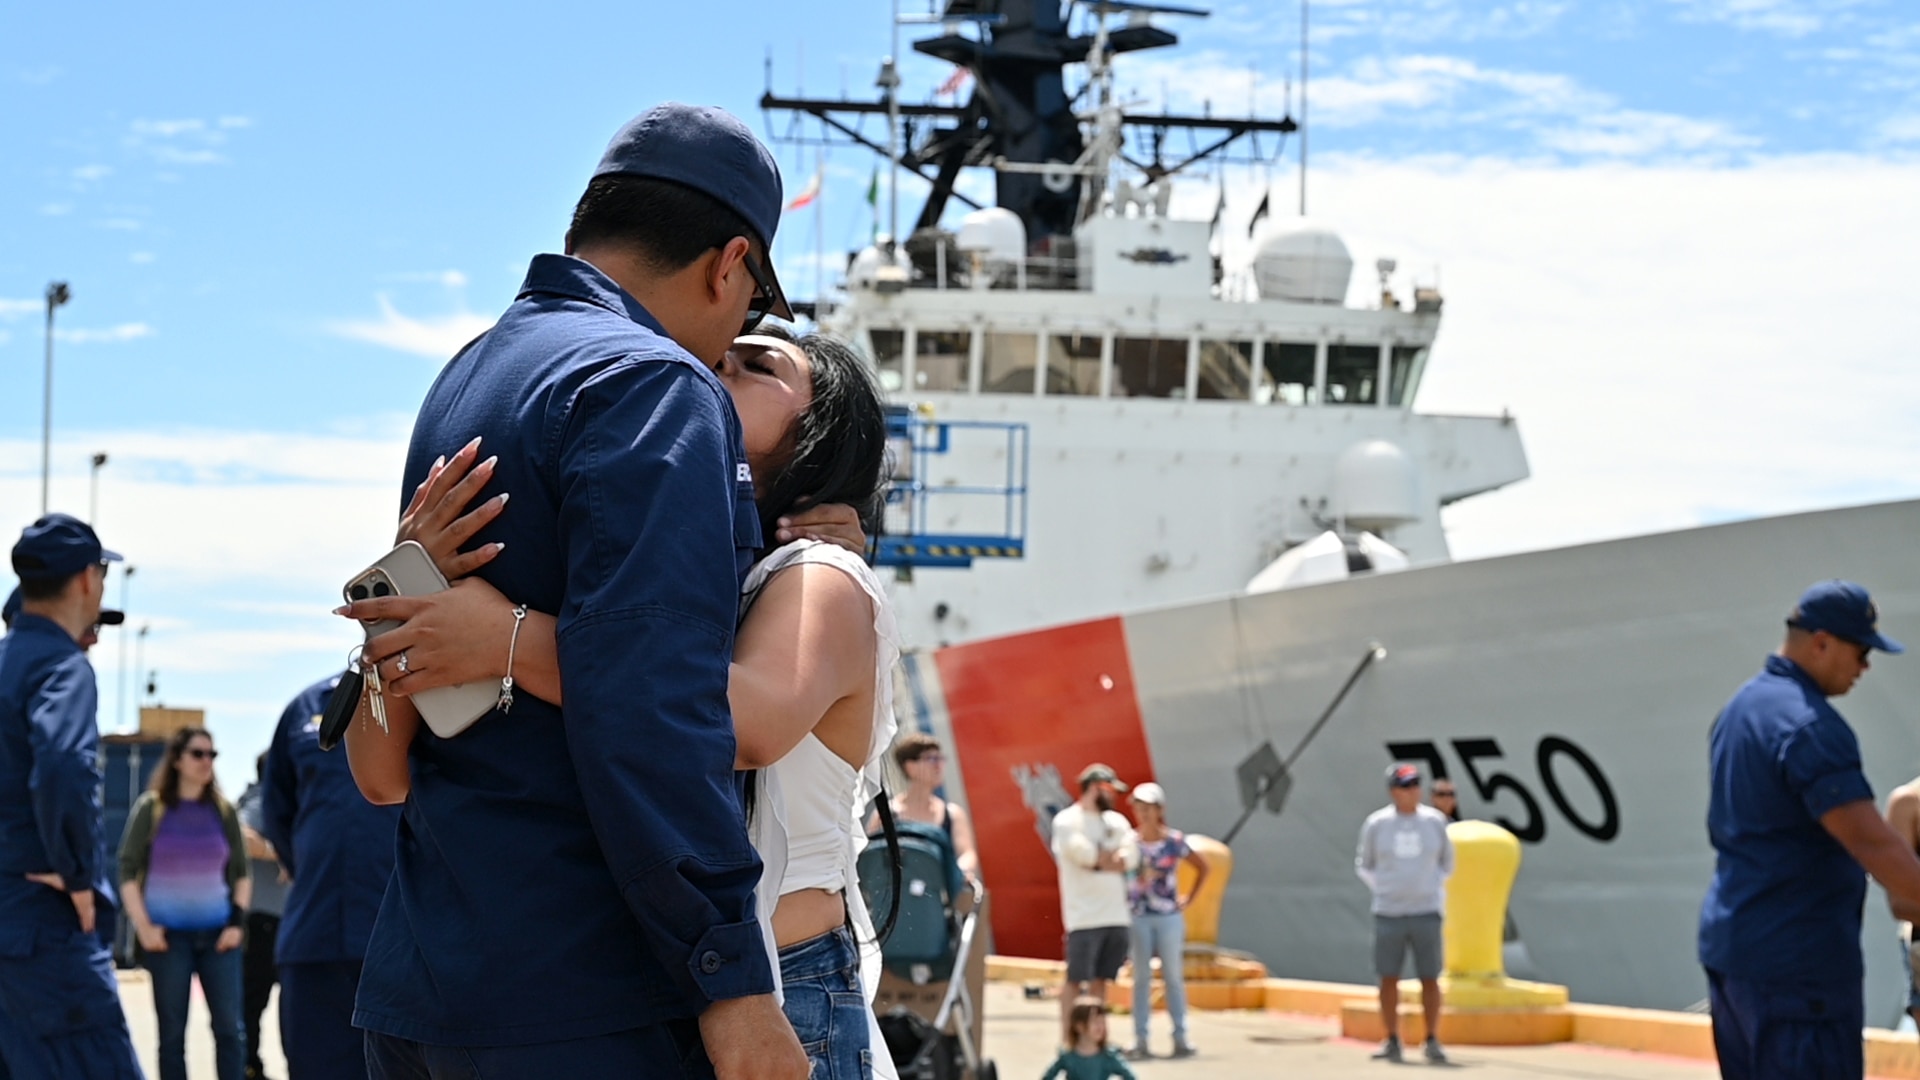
(184, 883)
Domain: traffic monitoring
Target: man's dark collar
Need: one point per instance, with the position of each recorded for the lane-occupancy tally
(578, 279)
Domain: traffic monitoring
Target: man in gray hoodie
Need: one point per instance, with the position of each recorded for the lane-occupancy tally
(1405, 858)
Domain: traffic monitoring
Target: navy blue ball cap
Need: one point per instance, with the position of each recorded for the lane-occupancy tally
(1403, 776)
(711, 151)
(1843, 609)
(57, 546)
(12, 607)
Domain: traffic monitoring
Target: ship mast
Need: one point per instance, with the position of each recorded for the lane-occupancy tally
(1019, 118)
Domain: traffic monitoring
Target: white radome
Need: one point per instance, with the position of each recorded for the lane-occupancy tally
(1304, 261)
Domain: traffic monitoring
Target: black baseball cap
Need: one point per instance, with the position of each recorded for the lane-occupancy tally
(711, 151)
(1403, 776)
(1843, 609)
(58, 546)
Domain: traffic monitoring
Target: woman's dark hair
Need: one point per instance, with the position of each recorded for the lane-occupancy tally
(166, 778)
(836, 451)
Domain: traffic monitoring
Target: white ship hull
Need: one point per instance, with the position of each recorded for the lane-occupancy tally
(1620, 653)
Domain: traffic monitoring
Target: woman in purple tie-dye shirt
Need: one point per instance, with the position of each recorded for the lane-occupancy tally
(183, 880)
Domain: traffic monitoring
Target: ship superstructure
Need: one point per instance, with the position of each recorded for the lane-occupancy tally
(1189, 421)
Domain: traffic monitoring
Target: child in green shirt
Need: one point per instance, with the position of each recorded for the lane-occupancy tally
(1088, 1058)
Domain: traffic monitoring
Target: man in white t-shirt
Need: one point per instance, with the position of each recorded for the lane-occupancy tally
(1095, 847)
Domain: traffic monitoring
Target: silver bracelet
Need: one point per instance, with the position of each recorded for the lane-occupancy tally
(506, 684)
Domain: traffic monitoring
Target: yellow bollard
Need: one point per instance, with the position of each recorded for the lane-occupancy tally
(1203, 915)
(1486, 859)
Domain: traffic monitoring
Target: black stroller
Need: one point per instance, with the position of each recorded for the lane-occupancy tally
(934, 961)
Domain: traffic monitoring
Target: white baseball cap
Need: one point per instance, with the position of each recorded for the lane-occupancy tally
(1150, 793)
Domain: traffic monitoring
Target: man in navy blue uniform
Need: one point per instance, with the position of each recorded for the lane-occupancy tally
(1793, 822)
(573, 888)
(58, 995)
(338, 849)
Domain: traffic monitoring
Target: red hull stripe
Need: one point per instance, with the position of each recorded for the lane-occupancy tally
(1028, 713)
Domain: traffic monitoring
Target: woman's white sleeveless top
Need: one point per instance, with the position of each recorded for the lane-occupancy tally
(812, 800)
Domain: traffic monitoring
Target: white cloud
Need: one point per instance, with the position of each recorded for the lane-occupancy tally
(110, 335)
(436, 338)
(1785, 18)
(91, 173)
(1900, 129)
(189, 141)
(140, 258)
(1563, 116)
(56, 209)
(13, 309)
(1680, 344)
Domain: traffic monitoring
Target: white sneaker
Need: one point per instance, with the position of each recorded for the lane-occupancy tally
(1435, 1055)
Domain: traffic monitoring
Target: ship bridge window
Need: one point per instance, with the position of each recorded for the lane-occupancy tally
(1408, 363)
(940, 360)
(1150, 367)
(887, 347)
(1289, 367)
(1353, 374)
(1073, 364)
(1007, 365)
(1226, 370)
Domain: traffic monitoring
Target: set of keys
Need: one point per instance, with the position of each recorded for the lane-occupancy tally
(377, 701)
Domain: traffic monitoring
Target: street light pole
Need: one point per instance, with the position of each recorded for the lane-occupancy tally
(57, 294)
(120, 709)
(93, 499)
(140, 652)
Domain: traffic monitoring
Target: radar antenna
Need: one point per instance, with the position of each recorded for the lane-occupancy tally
(1051, 164)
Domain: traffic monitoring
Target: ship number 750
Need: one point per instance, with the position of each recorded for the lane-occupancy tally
(1493, 784)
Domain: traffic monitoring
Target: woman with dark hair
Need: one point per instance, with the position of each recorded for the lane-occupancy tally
(810, 685)
(184, 884)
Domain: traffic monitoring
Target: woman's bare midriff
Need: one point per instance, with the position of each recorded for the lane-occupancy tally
(806, 914)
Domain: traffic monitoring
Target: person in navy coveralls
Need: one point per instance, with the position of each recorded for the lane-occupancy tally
(60, 1014)
(1793, 822)
(338, 849)
(573, 889)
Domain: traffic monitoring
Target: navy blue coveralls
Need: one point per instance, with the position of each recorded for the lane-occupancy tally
(1780, 927)
(338, 848)
(571, 890)
(60, 1011)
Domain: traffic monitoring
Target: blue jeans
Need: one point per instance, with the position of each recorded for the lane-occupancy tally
(190, 953)
(820, 979)
(1164, 936)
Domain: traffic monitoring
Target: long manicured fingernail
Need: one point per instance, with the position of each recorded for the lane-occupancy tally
(488, 464)
(503, 497)
(439, 463)
(341, 610)
(499, 547)
(472, 446)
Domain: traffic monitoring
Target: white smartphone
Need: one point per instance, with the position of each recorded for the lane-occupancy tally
(408, 570)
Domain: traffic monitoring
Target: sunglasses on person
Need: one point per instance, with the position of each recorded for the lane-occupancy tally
(763, 296)
(200, 754)
(1443, 793)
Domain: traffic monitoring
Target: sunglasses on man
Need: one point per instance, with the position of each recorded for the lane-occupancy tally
(763, 297)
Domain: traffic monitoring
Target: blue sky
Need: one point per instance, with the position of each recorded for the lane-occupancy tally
(277, 222)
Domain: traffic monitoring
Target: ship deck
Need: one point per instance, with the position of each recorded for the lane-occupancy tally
(1021, 1036)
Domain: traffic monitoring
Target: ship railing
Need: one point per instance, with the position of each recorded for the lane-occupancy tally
(909, 538)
